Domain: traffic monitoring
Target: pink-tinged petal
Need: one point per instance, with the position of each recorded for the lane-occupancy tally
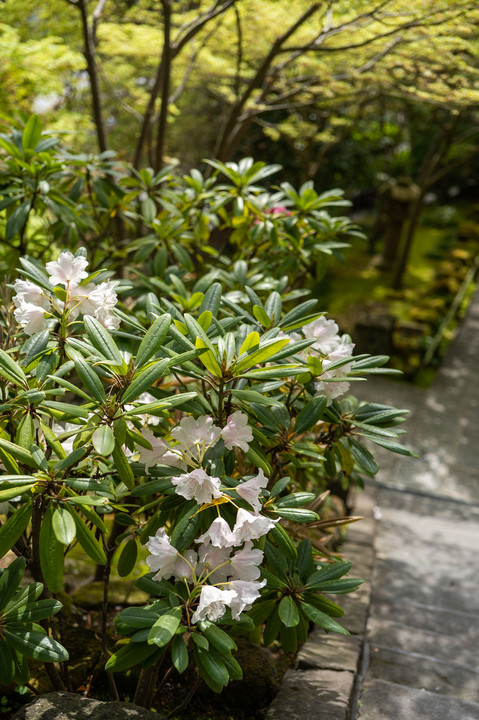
(212, 605)
(198, 485)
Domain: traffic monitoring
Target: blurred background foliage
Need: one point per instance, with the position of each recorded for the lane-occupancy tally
(379, 99)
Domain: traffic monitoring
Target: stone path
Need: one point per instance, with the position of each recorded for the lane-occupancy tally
(414, 649)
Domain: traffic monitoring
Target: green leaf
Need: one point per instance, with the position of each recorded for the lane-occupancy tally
(123, 467)
(153, 340)
(212, 668)
(129, 655)
(261, 316)
(283, 541)
(103, 440)
(144, 379)
(217, 637)
(179, 653)
(14, 527)
(13, 492)
(251, 341)
(32, 133)
(288, 611)
(186, 526)
(251, 396)
(310, 414)
(266, 351)
(87, 375)
(363, 456)
(10, 580)
(10, 370)
(212, 299)
(295, 500)
(88, 541)
(35, 645)
(297, 515)
(7, 664)
(209, 358)
(127, 558)
(163, 404)
(52, 441)
(165, 627)
(51, 554)
(63, 526)
(17, 220)
(329, 572)
(24, 456)
(32, 613)
(101, 340)
(25, 435)
(322, 619)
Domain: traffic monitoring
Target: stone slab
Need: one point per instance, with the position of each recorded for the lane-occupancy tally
(434, 644)
(385, 701)
(451, 623)
(313, 695)
(421, 672)
(329, 652)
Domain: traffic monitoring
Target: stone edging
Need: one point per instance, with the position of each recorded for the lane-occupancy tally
(323, 683)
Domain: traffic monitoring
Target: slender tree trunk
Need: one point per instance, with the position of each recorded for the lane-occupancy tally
(89, 52)
(165, 91)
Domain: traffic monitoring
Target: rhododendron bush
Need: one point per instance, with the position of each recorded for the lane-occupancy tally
(192, 419)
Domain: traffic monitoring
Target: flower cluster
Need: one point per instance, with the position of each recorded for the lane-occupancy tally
(329, 347)
(194, 437)
(223, 577)
(33, 304)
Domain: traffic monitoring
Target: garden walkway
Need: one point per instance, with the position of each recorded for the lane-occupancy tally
(414, 649)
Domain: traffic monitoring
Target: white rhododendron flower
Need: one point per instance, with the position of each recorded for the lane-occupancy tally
(244, 563)
(145, 398)
(97, 300)
(212, 605)
(325, 332)
(237, 432)
(28, 292)
(251, 489)
(166, 560)
(214, 562)
(218, 534)
(160, 453)
(198, 485)
(250, 527)
(163, 556)
(31, 317)
(67, 269)
(244, 595)
(196, 436)
(331, 390)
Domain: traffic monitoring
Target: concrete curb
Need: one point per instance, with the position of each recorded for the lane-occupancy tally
(323, 685)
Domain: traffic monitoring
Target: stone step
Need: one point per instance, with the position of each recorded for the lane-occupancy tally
(383, 700)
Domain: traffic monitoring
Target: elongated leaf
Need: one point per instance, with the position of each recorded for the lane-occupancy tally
(14, 527)
(263, 353)
(13, 492)
(329, 572)
(88, 376)
(298, 515)
(7, 664)
(10, 580)
(153, 340)
(212, 299)
(186, 526)
(217, 637)
(310, 414)
(209, 358)
(123, 467)
(34, 645)
(212, 668)
(10, 370)
(51, 554)
(323, 620)
(32, 133)
(179, 654)
(127, 558)
(142, 381)
(88, 540)
(24, 456)
(165, 627)
(32, 613)
(101, 340)
(129, 655)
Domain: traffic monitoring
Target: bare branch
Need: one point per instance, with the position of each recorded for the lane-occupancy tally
(166, 63)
